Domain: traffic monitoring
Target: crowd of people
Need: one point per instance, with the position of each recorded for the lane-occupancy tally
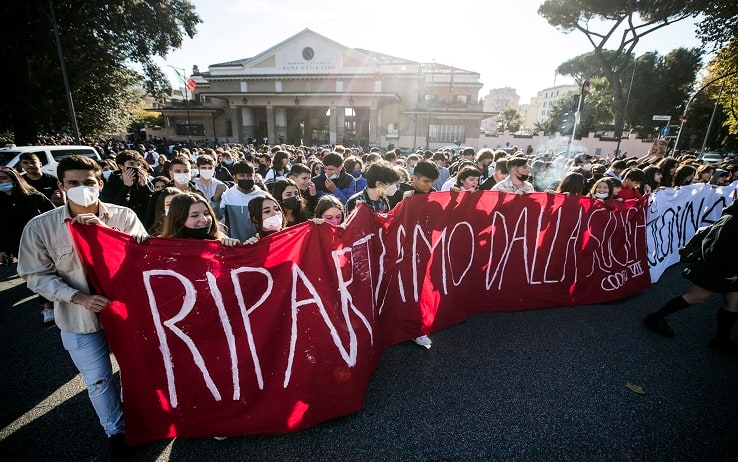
(237, 194)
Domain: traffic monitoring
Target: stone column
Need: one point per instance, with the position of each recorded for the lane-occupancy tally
(340, 124)
(280, 119)
(271, 131)
(307, 135)
(246, 130)
(373, 126)
(333, 127)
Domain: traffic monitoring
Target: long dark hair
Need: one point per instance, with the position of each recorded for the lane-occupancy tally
(666, 164)
(179, 210)
(159, 216)
(278, 190)
(20, 185)
(606, 180)
(650, 180)
(328, 202)
(255, 206)
(681, 174)
(573, 183)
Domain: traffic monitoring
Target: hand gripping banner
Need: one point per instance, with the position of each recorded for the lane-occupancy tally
(285, 334)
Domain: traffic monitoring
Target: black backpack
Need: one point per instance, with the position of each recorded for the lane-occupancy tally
(692, 250)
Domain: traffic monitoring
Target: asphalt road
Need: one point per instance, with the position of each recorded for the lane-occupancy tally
(538, 385)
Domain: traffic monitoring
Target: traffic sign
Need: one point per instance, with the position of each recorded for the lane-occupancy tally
(661, 117)
(665, 131)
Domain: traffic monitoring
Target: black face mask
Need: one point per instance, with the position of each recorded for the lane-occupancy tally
(522, 177)
(246, 185)
(291, 203)
(196, 233)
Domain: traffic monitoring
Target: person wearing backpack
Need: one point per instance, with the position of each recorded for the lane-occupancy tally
(279, 170)
(715, 272)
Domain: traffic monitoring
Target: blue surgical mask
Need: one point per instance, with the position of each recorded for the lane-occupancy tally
(356, 174)
(6, 187)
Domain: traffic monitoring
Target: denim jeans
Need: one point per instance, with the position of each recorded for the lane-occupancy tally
(91, 355)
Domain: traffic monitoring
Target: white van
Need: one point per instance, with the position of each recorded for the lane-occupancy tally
(49, 156)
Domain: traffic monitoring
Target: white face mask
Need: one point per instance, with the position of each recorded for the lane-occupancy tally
(273, 223)
(106, 174)
(335, 177)
(206, 174)
(181, 178)
(601, 195)
(194, 172)
(587, 167)
(83, 195)
(391, 190)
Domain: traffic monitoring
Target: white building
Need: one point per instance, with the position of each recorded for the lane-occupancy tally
(496, 100)
(311, 90)
(541, 104)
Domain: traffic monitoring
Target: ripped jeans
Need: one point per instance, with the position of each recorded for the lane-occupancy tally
(91, 354)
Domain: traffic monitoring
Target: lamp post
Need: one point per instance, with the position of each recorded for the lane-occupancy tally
(187, 100)
(712, 117)
(70, 101)
(686, 107)
(625, 110)
(577, 115)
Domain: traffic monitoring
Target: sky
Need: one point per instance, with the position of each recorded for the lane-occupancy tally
(505, 41)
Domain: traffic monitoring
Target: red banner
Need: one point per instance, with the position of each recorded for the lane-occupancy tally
(282, 335)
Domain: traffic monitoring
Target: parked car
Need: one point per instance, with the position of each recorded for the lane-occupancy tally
(712, 158)
(48, 155)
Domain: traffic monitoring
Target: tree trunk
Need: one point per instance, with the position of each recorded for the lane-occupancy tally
(618, 106)
(613, 77)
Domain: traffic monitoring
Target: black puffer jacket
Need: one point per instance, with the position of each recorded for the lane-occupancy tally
(720, 247)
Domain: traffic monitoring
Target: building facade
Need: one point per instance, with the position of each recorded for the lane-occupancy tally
(311, 90)
(496, 100)
(546, 98)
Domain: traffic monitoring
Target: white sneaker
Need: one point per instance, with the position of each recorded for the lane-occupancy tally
(423, 341)
(48, 315)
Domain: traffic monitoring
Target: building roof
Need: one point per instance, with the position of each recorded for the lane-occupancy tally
(379, 58)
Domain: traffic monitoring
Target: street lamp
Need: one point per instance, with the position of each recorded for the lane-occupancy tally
(625, 110)
(686, 107)
(712, 117)
(584, 92)
(70, 101)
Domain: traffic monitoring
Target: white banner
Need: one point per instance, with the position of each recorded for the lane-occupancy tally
(675, 214)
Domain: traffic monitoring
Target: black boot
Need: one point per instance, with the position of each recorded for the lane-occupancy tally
(657, 323)
(722, 342)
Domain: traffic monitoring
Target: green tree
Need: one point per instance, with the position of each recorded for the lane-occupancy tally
(620, 23)
(596, 112)
(509, 119)
(719, 23)
(720, 86)
(661, 84)
(102, 42)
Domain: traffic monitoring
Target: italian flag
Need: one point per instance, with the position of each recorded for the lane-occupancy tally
(189, 83)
